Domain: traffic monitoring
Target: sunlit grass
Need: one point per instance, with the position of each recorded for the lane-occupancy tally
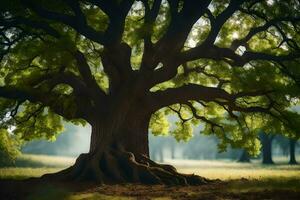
(28, 165)
(229, 174)
(239, 179)
(25, 172)
(37, 165)
(30, 160)
(228, 170)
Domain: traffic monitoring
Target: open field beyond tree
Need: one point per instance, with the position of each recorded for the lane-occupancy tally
(237, 181)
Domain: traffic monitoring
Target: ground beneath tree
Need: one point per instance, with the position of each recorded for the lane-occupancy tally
(235, 189)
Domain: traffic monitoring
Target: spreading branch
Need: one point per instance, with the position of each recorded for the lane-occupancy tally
(87, 76)
(228, 55)
(39, 97)
(218, 22)
(189, 92)
(82, 27)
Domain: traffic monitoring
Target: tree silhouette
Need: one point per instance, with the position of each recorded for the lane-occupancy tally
(266, 141)
(292, 143)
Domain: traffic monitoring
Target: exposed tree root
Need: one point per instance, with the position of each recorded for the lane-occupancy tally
(113, 167)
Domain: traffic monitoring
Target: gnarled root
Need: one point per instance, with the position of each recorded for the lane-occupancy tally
(113, 167)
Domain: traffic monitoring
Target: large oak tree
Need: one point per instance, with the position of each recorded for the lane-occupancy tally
(125, 65)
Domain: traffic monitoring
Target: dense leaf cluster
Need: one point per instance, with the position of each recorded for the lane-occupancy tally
(9, 148)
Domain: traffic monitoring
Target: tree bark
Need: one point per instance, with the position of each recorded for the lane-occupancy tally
(266, 141)
(132, 136)
(292, 152)
(244, 157)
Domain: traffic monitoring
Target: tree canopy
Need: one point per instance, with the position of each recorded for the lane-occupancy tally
(232, 65)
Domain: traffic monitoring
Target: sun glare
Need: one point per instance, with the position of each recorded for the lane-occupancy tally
(270, 2)
(235, 35)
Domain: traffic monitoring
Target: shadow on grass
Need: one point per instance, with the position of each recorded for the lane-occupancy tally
(36, 189)
(279, 183)
(48, 192)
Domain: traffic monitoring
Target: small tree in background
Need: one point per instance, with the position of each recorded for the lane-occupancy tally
(244, 156)
(292, 142)
(9, 148)
(266, 147)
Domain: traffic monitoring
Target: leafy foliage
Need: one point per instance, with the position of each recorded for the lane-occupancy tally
(9, 148)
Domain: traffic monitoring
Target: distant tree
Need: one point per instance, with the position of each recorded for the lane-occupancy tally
(229, 153)
(68, 143)
(125, 65)
(266, 141)
(157, 154)
(201, 147)
(244, 157)
(9, 148)
(283, 143)
(293, 143)
(157, 146)
(172, 145)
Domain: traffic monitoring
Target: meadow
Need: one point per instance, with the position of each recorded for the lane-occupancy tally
(233, 180)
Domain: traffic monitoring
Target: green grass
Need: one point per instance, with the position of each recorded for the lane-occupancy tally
(271, 183)
(28, 165)
(240, 178)
(25, 172)
(36, 165)
(37, 161)
(229, 170)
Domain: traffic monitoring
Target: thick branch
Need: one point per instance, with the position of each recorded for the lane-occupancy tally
(195, 92)
(117, 65)
(180, 26)
(52, 80)
(36, 96)
(149, 21)
(107, 6)
(189, 92)
(253, 31)
(218, 22)
(114, 32)
(86, 73)
(17, 21)
(71, 21)
(234, 59)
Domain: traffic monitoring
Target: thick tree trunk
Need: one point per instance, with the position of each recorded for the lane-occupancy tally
(292, 152)
(244, 157)
(119, 153)
(132, 136)
(266, 141)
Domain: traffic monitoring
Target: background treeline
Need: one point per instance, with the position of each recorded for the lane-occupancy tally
(75, 140)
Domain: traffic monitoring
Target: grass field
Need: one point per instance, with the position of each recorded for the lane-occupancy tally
(236, 179)
(228, 170)
(35, 165)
